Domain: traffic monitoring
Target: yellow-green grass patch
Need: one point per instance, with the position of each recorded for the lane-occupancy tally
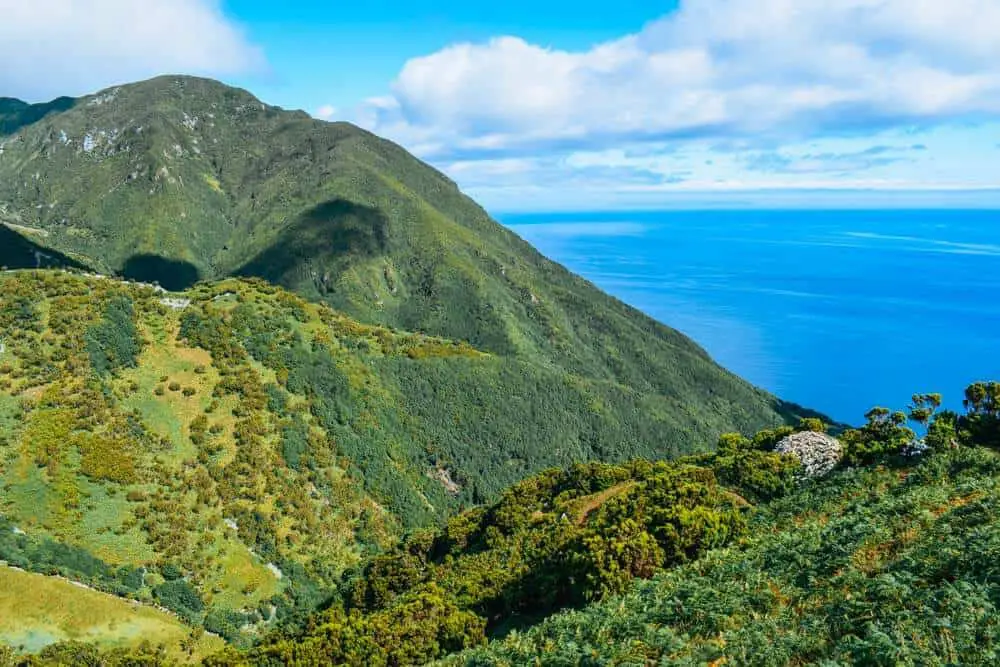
(36, 611)
(244, 579)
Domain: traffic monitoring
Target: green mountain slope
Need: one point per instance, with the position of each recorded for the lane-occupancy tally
(892, 564)
(729, 558)
(178, 178)
(235, 447)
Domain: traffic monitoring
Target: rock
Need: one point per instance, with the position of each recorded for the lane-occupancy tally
(818, 452)
(916, 447)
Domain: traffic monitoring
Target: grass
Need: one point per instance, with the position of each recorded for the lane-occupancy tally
(36, 611)
(244, 579)
(170, 415)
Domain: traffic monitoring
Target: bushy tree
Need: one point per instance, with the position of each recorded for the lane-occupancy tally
(981, 425)
(884, 434)
(923, 407)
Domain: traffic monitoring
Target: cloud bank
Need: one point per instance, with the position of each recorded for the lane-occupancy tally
(767, 70)
(60, 47)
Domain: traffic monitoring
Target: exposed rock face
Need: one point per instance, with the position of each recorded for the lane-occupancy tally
(818, 452)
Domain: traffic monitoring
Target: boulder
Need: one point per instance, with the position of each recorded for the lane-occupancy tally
(819, 453)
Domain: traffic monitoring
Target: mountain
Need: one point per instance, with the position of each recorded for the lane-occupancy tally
(351, 353)
(179, 179)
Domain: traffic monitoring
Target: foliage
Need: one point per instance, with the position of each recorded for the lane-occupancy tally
(746, 465)
(421, 627)
(114, 342)
(982, 423)
(884, 434)
(880, 565)
(561, 538)
(181, 597)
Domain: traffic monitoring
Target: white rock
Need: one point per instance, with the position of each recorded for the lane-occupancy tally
(818, 452)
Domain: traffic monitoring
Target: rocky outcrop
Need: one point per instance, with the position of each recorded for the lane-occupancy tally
(818, 452)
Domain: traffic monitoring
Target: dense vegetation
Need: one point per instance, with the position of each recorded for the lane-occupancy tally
(729, 557)
(178, 178)
(229, 452)
(316, 487)
(886, 564)
(560, 539)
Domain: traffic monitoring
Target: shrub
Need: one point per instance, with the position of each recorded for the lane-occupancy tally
(114, 342)
(107, 458)
(885, 434)
(758, 475)
(181, 598)
(170, 572)
(226, 623)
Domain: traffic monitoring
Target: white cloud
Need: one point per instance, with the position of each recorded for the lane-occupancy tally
(73, 47)
(774, 69)
(325, 112)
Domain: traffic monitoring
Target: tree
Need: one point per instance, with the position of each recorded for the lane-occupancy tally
(982, 423)
(983, 399)
(884, 434)
(923, 408)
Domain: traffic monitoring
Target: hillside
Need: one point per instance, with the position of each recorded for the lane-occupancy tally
(61, 611)
(254, 464)
(728, 558)
(178, 179)
(229, 451)
(884, 566)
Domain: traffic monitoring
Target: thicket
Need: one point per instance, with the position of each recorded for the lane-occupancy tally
(559, 539)
(885, 564)
(114, 342)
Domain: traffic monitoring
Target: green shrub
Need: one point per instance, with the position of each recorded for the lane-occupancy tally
(885, 434)
(114, 342)
(180, 597)
(226, 623)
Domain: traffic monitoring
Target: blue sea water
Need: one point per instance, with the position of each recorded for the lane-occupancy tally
(836, 310)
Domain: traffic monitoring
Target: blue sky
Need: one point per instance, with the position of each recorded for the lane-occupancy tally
(544, 105)
(341, 53)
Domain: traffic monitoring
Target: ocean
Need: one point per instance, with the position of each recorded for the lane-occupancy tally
(836, 310)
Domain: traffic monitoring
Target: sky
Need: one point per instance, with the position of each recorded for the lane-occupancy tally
(559, 105)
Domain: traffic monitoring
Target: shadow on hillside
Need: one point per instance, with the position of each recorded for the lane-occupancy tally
(172, 274)
(15, 114)
(335, 233)
(17, 252)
